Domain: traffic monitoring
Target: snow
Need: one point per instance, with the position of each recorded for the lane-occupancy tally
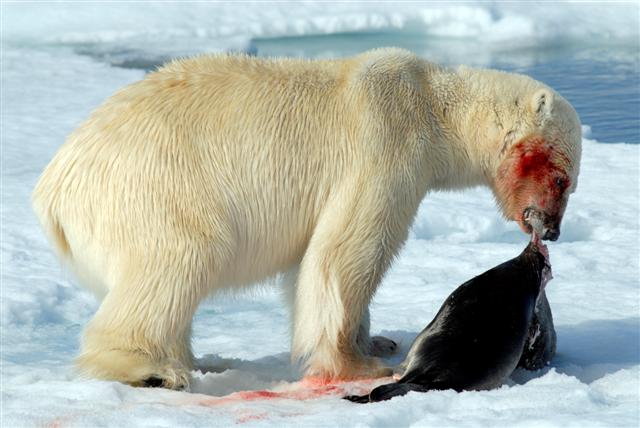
(243, 341)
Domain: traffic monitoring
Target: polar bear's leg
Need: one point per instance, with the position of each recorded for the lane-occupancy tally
(141, 332)
(350, 250)
(376, 346)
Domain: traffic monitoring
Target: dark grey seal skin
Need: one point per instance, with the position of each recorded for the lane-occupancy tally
(540, 346)
(477, 337)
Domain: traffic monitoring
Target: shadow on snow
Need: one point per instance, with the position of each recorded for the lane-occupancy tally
(587, 351)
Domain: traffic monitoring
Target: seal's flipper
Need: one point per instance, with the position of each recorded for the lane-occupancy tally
(357, 398)
(386, 392)
(540, 346)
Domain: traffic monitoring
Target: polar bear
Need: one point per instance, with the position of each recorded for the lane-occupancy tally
(220, 171)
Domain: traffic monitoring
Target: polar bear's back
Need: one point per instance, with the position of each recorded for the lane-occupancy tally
(199, 150)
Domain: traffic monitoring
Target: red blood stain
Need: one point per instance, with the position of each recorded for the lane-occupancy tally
(532, 163)
(537, 159)
(315, 381)
(534, 159)
(294, 394)
(319, 381)
(258, 395)
(301, 391)
(533, 172)
(60, 422)
(251, 417)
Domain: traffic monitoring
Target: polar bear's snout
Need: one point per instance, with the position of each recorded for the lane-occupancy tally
(551, 233)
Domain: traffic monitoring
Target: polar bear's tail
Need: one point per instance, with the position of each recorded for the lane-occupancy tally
(50, 223)
(55, 232)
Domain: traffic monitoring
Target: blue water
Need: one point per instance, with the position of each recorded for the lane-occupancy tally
(605, 90)
(602, 82)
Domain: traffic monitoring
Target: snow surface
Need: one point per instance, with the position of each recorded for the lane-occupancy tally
(243, 342)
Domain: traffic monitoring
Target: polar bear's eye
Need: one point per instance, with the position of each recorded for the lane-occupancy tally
(561, 182)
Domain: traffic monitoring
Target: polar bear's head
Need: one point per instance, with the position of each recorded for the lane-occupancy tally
(539, 162)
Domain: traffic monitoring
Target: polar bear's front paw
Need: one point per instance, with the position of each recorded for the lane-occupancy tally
(173, 382)
(170, 376)
(153, 382)
(135, 368)
(382, 347)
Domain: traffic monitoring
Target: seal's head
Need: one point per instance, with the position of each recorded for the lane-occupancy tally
(537, 254)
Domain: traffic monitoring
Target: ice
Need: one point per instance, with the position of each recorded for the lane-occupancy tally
(242, 343)
(491, 21)
(145, 35)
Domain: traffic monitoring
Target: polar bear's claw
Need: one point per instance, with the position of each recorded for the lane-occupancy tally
(153, 382)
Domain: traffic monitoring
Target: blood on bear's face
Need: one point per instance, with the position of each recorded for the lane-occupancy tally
(532, 185)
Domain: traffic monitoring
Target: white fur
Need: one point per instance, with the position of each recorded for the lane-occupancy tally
(219, 171)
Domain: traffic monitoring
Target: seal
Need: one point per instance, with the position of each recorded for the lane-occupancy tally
(540, 346)
(477, 337)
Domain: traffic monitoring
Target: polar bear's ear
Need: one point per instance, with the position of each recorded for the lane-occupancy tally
(542, 102)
